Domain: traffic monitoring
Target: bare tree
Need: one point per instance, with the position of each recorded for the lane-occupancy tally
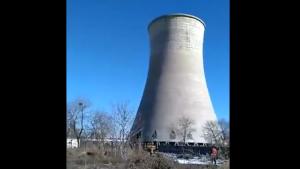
(123, 119)
(70, 115)
(224, 129)
(172, 134)
(101, 126)
(173, 131)
(185, 128)
(218, 133)
(212, 132)
(75, 118)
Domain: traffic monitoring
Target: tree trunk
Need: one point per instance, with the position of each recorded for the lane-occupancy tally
(78, 141)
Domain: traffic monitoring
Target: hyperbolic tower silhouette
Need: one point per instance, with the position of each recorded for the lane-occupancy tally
(176, 87)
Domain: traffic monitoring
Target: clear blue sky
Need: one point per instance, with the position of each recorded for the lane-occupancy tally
(108, 48)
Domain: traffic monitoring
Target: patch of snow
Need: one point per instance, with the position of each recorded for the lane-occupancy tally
(203, 160)
(191, 161)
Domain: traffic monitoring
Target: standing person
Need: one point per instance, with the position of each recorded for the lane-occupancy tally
(214, 154)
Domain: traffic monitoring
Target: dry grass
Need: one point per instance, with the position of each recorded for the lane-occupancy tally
(107, 158)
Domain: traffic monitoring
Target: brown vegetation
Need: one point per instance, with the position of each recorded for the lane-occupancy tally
(94, 158)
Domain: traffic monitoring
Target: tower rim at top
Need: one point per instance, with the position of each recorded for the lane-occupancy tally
(175, 15)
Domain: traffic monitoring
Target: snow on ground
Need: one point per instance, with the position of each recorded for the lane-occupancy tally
(194, 160)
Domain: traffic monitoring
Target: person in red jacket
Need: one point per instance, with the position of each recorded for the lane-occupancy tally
(214, 154)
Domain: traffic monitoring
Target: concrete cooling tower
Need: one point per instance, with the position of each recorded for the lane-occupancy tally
(176, 86)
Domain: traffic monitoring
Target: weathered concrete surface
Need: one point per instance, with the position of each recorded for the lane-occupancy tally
(176, 85)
